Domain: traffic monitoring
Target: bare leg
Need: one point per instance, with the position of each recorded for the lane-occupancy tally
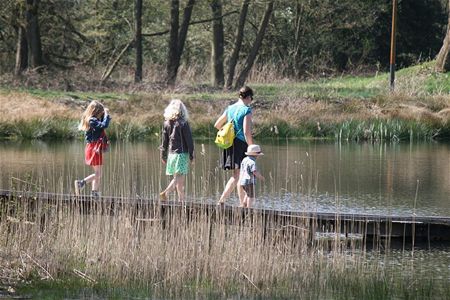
(242, 197)
(229, 187)
(171, 186)
(250, 201)
(89, 178)
(97, 177)
(241, 193)
(180, 186)
(243, 203)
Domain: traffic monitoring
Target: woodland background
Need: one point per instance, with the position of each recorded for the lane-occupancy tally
(87, 44)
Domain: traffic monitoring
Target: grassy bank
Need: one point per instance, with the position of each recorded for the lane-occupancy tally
(348, 108)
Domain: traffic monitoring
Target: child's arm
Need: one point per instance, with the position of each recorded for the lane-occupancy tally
(258, 175)
(97, 124)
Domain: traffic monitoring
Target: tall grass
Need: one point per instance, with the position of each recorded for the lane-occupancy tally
(384, 130)
(47, 128)
(354, 130)
(183, 254)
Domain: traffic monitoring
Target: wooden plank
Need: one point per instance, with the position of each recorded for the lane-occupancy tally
(429, 227)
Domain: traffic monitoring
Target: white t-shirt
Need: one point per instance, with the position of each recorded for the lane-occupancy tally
(248, 166)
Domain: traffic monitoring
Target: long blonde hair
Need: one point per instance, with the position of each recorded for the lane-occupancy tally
(94, 109)
(176, 110)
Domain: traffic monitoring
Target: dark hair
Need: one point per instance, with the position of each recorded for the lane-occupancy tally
(245, 91)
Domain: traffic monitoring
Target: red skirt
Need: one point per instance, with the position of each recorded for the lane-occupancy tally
(93, 155)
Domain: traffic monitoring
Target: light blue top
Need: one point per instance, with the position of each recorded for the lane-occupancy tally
(237, 112)
(248, 166)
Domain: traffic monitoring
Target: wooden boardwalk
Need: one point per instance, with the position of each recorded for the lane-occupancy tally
(368, 227)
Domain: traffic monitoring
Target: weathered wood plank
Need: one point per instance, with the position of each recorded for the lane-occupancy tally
(427, 228)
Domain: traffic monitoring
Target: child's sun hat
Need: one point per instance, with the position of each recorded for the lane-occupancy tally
(254, 150)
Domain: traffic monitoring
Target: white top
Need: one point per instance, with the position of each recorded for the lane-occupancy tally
(248, 166)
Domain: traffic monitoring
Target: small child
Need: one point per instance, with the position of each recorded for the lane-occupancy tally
(93, 122)
(177, 147)
(249, 173)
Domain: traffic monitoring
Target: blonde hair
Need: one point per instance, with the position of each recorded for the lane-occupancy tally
(94, 109)
(176, 109)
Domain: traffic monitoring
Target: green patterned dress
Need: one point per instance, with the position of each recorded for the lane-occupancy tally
(177, 163)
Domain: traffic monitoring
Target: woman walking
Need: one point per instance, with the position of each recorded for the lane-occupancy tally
(241, 115)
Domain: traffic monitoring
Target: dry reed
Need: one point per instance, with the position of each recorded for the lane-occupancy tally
(136, 247)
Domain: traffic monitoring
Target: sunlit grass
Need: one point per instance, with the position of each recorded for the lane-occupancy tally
(384, 130)
(325, 89)
(77, 95)
(319, 108)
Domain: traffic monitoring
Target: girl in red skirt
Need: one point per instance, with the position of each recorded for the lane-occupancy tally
(93, 122)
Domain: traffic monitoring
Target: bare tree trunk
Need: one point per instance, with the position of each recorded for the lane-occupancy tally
(257, 44)
(184, 27)
(298, 29)
(237, 44)
(138, 41)
(21, 52)
(110, 69)
(22, 45)
(177, 39)
(33, 33)
(173, 42)
(443, 57)
(217, 44)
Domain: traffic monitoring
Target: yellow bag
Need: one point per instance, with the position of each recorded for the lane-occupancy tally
(225, 136)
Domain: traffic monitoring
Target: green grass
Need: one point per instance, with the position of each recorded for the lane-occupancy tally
(202, 96)
(438, 83)
(388, 130)
(350, 130)
(415, 80)
(325, 89)
(39, 128)
(345, 87)
(51, 94)
(133, 131)
(388, 284)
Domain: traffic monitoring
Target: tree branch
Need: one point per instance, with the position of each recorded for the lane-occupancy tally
(110, 69)
(72, 29)
(212, 19)
(192, 23)
(155, 33)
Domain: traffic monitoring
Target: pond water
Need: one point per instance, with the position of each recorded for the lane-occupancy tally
(385, 178)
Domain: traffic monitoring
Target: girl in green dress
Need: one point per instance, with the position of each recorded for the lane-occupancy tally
(177, 148)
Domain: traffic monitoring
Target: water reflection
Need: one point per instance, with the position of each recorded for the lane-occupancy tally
(399, 179)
